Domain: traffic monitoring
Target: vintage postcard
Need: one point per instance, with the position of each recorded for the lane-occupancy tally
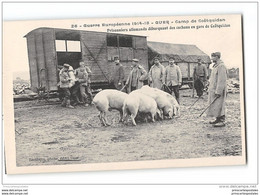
(123, 93)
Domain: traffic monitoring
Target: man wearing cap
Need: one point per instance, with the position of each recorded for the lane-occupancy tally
(136, 77)
(88, 87)
(173, 78)
(217, 91)
(82, 77)
(157, 74)
(200, 74)
(65, 84)
(118, 74)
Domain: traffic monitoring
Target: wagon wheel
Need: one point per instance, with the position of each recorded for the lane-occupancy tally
(42, 94)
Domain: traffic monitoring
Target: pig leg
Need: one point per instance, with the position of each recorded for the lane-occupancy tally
(102, 119)
(121, 116)
(152, 115)
(159, 114)
(133, 119)
(105, 119)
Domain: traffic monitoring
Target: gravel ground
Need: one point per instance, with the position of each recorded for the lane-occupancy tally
(53, 135)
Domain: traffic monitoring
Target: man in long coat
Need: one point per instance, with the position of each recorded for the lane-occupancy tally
(118, 74)
(136, 77)
(217, 91)
(157, 74)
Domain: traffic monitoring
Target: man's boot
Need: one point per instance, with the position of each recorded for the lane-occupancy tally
(68, 104)
(221, 122)
(63, 103)
(215, 121)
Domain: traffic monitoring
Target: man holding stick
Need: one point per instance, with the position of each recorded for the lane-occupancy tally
(217, 91)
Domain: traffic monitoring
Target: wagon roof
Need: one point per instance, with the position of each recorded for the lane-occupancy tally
(75, 31)
(180, 52)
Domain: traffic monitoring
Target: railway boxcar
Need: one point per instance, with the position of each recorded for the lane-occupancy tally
(49, 48)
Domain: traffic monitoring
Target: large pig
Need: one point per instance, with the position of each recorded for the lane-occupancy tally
(137, 102)
(173, 101)
(162, 101)
(107, 100)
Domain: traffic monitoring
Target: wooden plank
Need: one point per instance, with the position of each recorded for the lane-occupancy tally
(40, 59)
(142, 55)
(192, 69)
(94, 53)
(184, 69)
(139, 42)
(111, 53)
(50, 59)
(126, 54)
(32, 62)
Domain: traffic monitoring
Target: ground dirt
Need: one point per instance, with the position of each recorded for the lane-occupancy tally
(54, 135)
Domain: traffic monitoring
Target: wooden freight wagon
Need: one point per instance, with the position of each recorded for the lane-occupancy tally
(186, 57)
(49, 48)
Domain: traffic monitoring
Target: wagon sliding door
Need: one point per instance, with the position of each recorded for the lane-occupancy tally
(50, 59)
(42, 59)
(93, 46)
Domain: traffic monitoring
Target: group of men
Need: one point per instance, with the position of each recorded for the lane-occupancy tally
(169, 77)
(157, 77)
(75, 85)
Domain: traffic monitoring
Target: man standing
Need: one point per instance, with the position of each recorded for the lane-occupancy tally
(173, 78)
(200, 74)
(157, 74)
(118, 74)
(136, 76)
(217, 91)
(88, 87)
(65, 83)
(83, 78)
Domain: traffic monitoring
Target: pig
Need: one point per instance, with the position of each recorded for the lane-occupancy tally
(162, 101)
(107, 100)
(137, 102)
(172, 100)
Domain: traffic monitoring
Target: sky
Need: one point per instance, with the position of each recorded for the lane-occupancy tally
(228, 41)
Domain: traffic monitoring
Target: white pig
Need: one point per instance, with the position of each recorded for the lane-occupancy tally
(137, 102)
(173, 101)
(107, 100)
(162, 101)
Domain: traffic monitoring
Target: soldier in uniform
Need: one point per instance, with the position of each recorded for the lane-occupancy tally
(200, 74)
(217, 91)
(136, 77)
(65, 83)
(173, 78)
(118, 74)
(157, 74)
(82, 77)
(88, 87)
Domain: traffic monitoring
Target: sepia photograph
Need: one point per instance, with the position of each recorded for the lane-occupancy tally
(123, 93)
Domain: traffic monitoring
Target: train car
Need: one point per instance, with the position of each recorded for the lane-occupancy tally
(186, 57)
(49, 48)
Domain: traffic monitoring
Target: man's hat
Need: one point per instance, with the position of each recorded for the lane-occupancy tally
(66, 65)
(216, 54)
(171, 58)
(116, 58)
(135, 60)
(199, 58)
(156, 58)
